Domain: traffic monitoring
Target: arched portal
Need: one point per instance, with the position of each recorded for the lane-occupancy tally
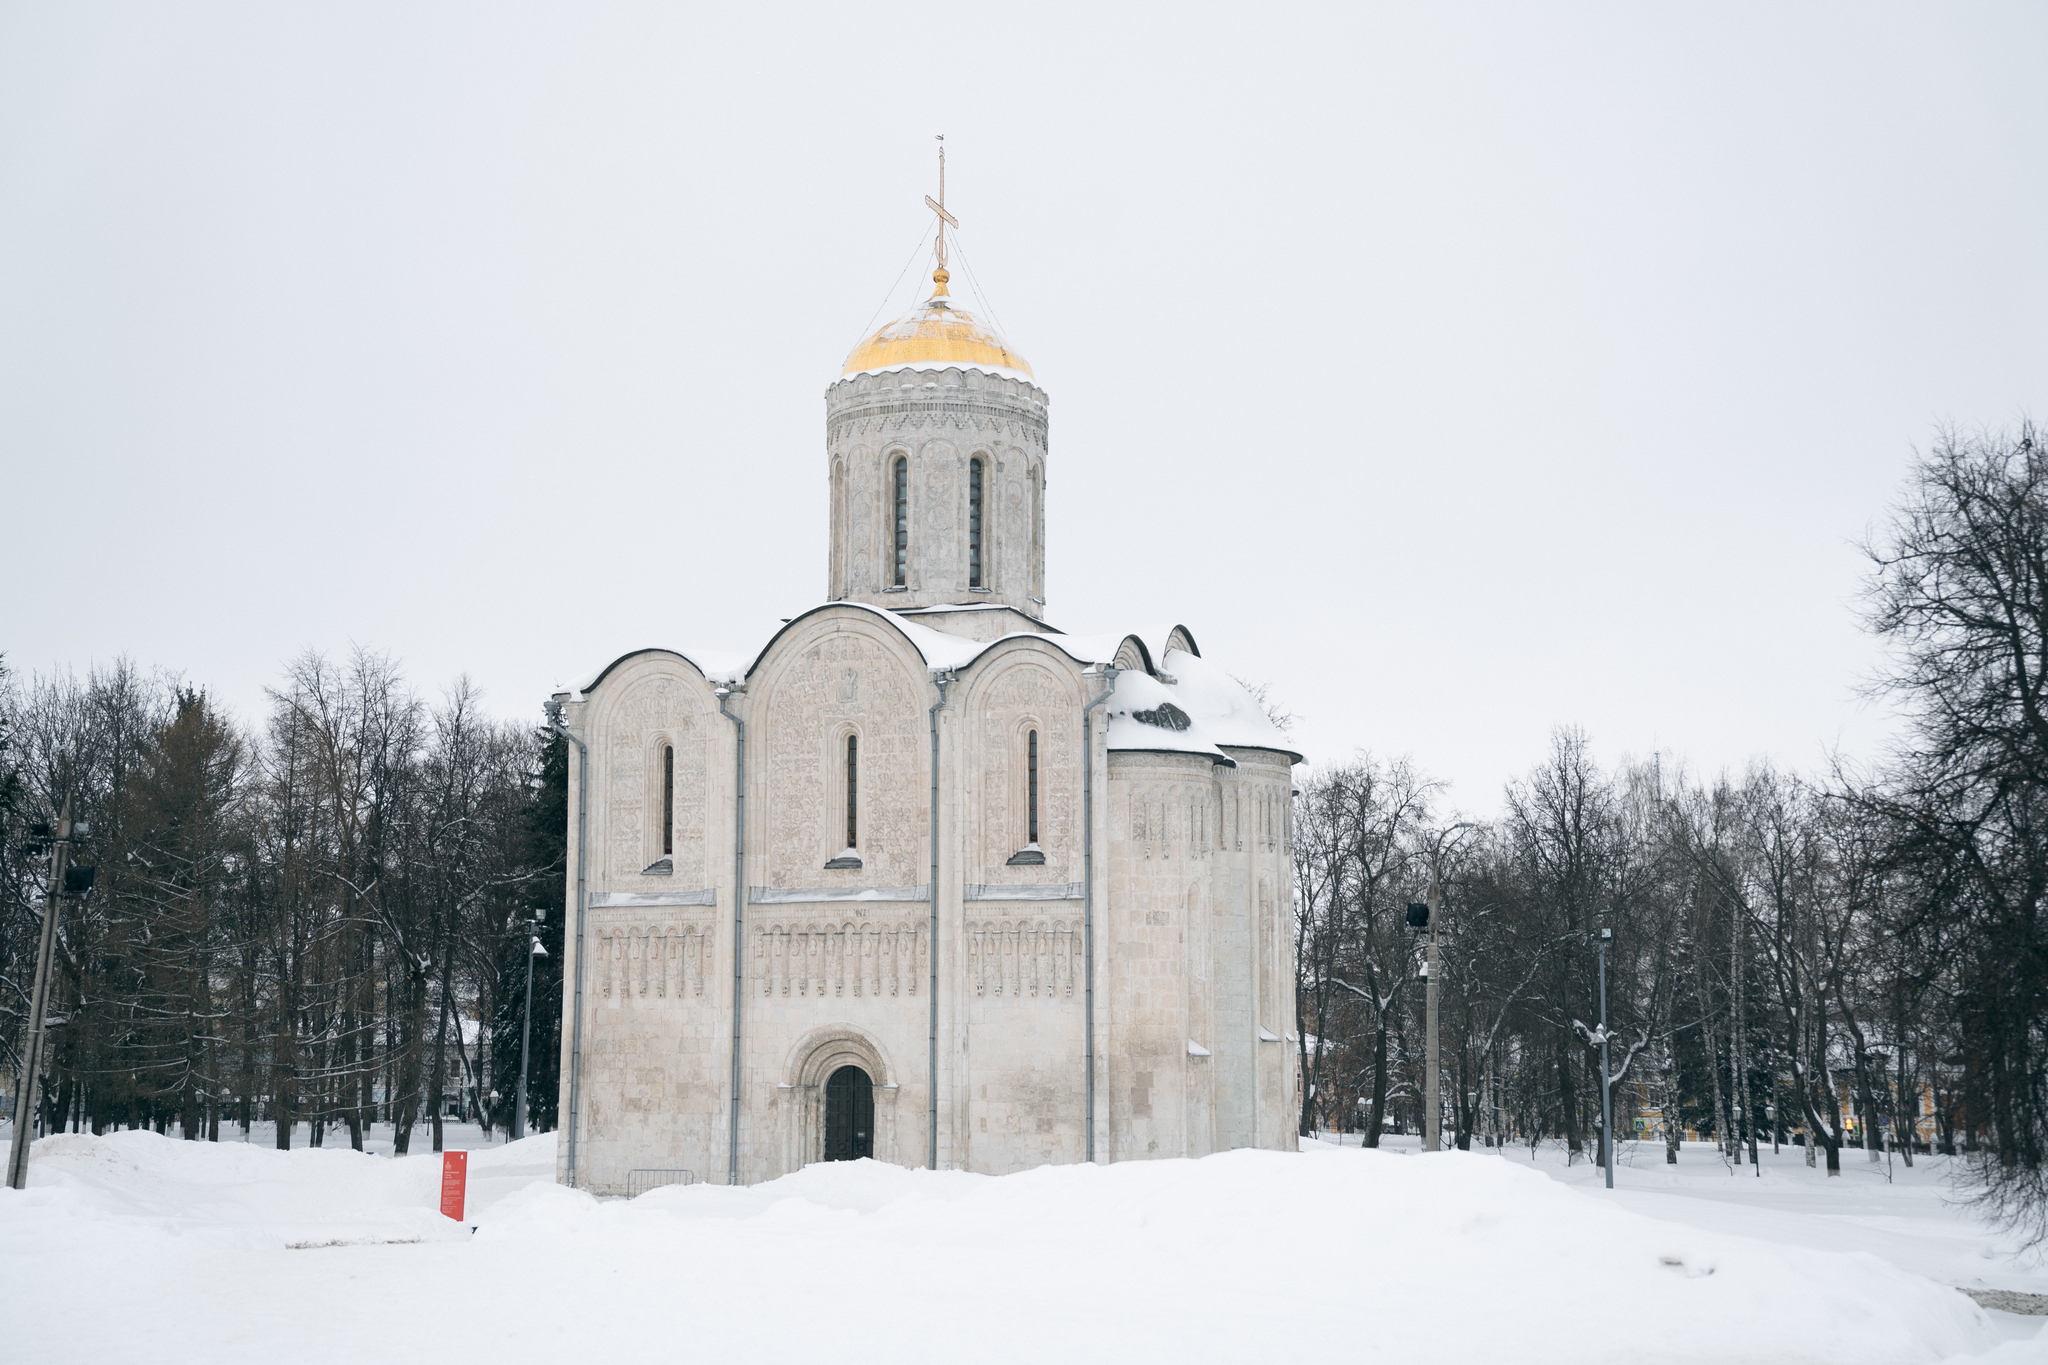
(849, 1115)
(817, 1076)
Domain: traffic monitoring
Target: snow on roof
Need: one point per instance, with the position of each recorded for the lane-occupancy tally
(957, 606)
(1217, 709)
(1091, 649)
(1229, 713)
(943, 652)
(1155, 637)
(720, 665)
(940, 650)
(1144, 717)
(717, 666)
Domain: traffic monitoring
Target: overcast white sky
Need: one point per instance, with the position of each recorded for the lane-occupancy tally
(1462, 371)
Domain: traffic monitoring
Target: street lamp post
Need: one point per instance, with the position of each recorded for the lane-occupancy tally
(65, 880)
(1606, 1090)
(1432, 1106)
(533, 950)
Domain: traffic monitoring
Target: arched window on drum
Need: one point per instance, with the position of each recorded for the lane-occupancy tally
(899, 483)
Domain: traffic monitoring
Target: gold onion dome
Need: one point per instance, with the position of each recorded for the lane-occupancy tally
(935, 334)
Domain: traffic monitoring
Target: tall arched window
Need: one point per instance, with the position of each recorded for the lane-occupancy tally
(1030, 855)
(853, 791)
(1033, 762)
(974, 524)
(902, 519)
(668, 800)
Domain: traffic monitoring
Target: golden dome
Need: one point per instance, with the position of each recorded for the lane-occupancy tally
(935, 334)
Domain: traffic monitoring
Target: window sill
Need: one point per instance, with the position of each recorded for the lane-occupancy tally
(660, 867)
(843, 864)
(1029, 856)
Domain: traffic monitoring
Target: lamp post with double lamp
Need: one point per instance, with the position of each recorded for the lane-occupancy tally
(1606, 1087)
(1430, 918)
(533, 950)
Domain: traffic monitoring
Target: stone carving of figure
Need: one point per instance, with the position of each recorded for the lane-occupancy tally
(940, 548)
(860, 520)
(1013, 537)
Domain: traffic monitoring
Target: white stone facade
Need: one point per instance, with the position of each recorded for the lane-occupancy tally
(1192, 912)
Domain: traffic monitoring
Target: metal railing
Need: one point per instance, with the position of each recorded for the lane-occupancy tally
(641, 1181)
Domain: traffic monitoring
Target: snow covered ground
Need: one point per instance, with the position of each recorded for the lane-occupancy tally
(236, 1252)
(1911, 1217)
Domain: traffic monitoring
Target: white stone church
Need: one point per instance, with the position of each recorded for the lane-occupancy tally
(925, 878)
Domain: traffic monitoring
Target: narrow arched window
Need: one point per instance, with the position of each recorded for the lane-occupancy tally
(853, 791)
(1032, 762)
(668, 800)
(902, 520)
(974, 524)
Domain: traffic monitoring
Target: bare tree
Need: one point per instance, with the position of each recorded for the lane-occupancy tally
(1959, 591)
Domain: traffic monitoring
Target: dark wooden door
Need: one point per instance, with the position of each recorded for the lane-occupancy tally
(849, 1115)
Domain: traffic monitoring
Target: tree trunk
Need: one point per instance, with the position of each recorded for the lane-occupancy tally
(1713, 1058)
(59, 1106)
(1568, 1102)
(1674, 1132)
(284, 1098)
(1374, 1116)
(1907, 1108)
(441, 1040)
(1461, 1105)
(351, 1058)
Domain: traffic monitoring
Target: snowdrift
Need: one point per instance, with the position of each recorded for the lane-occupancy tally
(235, 1253)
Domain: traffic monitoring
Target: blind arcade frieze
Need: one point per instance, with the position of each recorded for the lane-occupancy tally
(1023, 958)
(657, 961)
(822, 958)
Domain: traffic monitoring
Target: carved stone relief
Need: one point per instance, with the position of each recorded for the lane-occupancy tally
(839, 958)
(649, 712)
(844, 678)
(1267, 951)
(1013, 542)
(1176, 819)
(944, 549)
(662, 961)
(861, 520)
(1026, 696)
(1023, 957)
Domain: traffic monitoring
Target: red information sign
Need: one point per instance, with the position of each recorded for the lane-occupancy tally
(454, 1183)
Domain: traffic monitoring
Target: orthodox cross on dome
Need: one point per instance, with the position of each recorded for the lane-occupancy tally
(938, 206)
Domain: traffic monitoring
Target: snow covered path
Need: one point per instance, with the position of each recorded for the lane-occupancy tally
(229, 1253)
